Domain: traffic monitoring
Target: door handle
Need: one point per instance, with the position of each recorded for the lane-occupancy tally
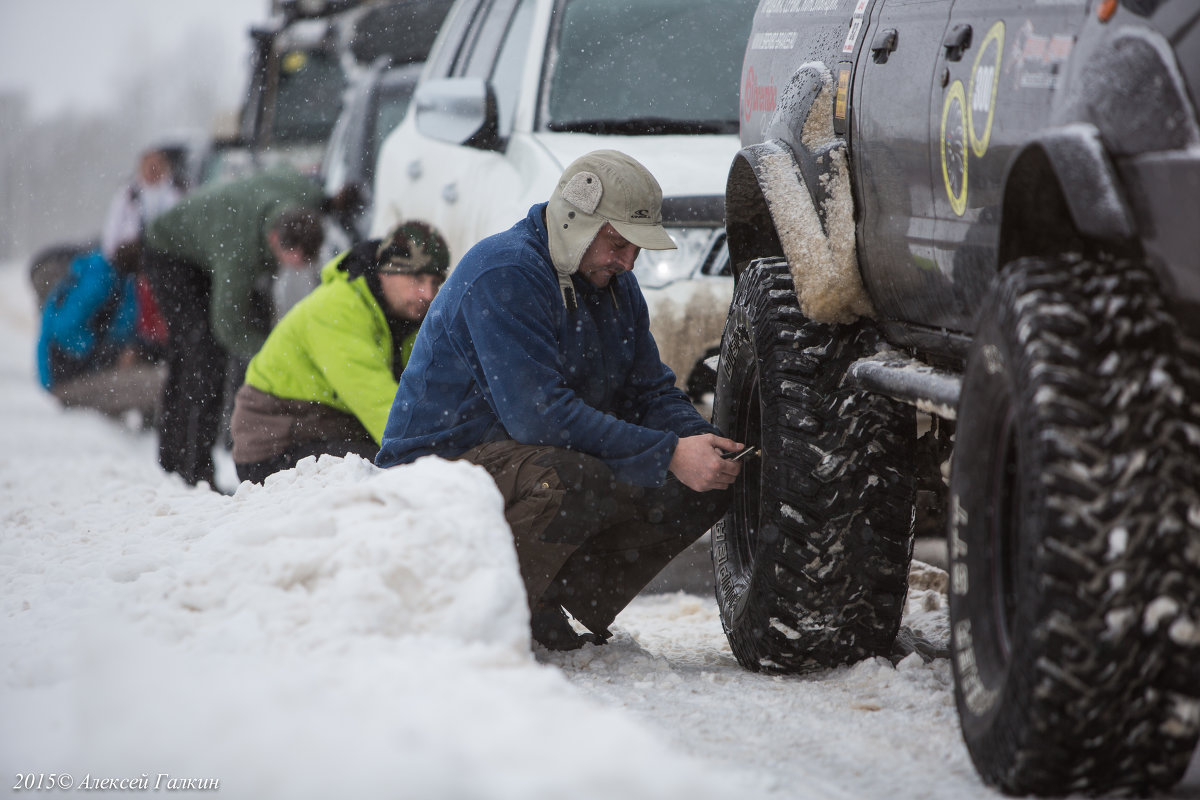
(957, 42)
(884, 44)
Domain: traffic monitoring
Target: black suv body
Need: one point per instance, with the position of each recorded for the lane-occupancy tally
(965, 235)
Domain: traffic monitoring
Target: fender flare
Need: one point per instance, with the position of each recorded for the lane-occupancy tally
(773, 209)
(790, 196)
(749, 224)
(1073, 159)
(750, 190)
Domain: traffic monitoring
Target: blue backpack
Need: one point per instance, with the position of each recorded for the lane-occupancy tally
(90, 316)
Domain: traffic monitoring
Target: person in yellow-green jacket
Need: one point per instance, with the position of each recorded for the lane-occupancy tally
(326, 376)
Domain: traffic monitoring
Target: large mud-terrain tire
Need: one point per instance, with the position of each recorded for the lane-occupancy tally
(812, 559)
(1075, 535)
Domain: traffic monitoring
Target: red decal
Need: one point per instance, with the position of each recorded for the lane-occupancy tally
(755, 97)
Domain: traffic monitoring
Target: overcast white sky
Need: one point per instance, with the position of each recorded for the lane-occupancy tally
(73, 52)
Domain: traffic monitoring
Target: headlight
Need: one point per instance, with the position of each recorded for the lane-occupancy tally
(657, 268)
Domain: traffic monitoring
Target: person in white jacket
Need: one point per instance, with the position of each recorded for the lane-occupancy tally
(151, 192)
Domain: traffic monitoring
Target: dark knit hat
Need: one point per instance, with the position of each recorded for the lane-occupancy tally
(413, 248)
(301, 229)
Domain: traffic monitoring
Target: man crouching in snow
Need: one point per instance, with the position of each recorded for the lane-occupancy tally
(536, 362)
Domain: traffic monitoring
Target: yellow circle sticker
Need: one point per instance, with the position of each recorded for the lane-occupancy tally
(985, 78)
(954, 147)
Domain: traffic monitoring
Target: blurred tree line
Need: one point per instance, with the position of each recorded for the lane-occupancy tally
(58, 173)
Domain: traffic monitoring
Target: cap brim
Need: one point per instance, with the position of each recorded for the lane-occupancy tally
(647, 237)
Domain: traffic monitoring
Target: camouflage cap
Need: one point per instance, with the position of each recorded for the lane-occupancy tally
(413, 248)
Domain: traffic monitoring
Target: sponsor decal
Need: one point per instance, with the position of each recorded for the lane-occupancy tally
(755, 97)
(798, 6)
(852, 36)
(856, 22)
(773, 40)
(981, 91)
(1036, 59)
(954, 146)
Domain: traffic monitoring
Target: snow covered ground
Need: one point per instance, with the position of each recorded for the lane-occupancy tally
(345, 631)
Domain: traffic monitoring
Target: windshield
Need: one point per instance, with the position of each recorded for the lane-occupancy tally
(647, 66)
(308, 97)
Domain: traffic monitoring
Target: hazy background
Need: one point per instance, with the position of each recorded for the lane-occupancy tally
(86, 84)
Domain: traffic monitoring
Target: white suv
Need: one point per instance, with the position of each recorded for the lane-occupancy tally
(514, 90)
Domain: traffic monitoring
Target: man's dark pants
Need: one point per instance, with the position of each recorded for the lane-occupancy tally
(585, 540)
(190, 415)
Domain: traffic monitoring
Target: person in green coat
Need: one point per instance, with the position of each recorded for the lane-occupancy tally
(326, 376)
(210, 261)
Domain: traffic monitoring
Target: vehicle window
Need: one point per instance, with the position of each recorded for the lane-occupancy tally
(392, 103)
(403, 31)
(308, 97)
(459, 26)
(333, 163)
(717, 264)
(657, 66)
(510, 63)
(485, 38)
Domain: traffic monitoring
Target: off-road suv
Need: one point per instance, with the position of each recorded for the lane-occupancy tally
(966, 234)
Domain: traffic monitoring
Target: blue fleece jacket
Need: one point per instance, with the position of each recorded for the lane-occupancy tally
(500, 356)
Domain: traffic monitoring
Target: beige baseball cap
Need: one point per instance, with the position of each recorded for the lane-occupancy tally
(603, 186)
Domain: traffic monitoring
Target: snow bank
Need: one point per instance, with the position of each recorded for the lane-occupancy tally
(338, 631)
(341, 631)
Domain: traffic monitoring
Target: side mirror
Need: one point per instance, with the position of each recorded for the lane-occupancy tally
(459, 111)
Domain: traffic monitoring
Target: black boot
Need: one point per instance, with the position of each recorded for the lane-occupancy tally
(552, 630)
